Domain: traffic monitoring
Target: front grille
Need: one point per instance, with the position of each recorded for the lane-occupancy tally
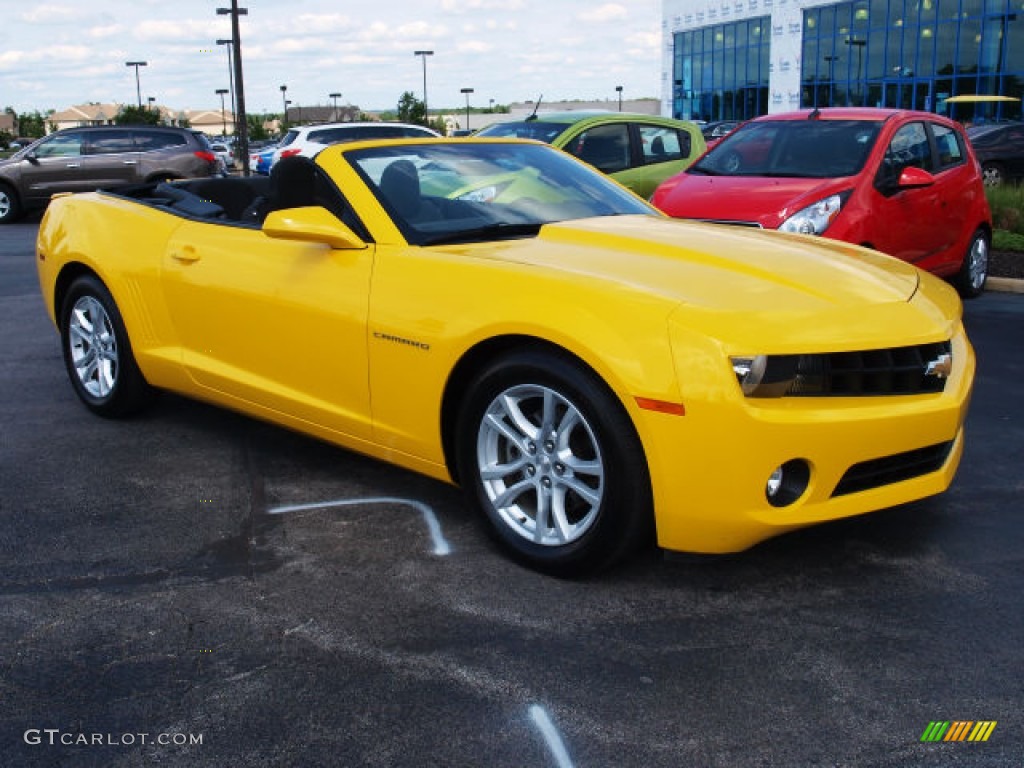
(893, 469)
(895, 371)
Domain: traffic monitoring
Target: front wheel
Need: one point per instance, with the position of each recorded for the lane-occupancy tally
(550, 456)
(10, 208)
(97, 352)
(970, 280)
(992, 175)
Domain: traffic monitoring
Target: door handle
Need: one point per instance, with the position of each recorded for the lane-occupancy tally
(74, 165)
(129, 162)
(187, 254)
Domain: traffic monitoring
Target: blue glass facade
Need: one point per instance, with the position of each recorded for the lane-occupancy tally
(721, 72)
(911, 54)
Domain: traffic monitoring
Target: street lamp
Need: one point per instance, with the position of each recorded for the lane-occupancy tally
(859, 45)
(618, 89)
(149, 102)
(467, 91)
(223, 120)
(242, 121)
(334, 97)
(229, 44)
(285, 103)
(138, 88)
(424, 54)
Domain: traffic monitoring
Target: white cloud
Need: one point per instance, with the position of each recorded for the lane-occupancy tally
(604, 13)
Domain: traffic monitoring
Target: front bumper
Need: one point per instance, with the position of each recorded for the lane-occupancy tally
(709, 468)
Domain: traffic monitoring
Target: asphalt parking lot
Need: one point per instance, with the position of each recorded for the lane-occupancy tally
(195, 588)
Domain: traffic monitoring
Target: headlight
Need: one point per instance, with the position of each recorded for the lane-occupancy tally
(815, 219)
(765, 375)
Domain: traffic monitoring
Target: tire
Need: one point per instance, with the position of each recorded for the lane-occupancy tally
(97, 352)
(569, 503)
(10, 207)
(993, 175)
(970, 280)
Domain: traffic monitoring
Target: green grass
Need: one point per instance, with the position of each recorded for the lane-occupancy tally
(1007, 241)
(1007, 204)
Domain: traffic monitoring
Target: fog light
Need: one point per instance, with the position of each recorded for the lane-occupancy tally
(787, 483)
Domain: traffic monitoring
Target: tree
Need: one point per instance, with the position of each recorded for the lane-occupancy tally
(257, 129)
(411, 109)
(137, 116)
(32, 124)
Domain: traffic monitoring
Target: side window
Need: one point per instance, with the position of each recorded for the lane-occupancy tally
(949, 146)
(63, 145)
(660, 145)
(147, 141)
(909, 148)
(109, 142)
(605, 147)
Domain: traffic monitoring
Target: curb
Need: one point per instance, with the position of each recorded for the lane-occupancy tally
(1004, 285)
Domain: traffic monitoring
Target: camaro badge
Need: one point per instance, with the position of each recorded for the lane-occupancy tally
(941, 367)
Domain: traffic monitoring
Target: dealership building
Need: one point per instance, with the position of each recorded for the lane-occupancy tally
(737, 59)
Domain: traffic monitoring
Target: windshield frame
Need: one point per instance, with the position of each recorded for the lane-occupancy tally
(484, 190)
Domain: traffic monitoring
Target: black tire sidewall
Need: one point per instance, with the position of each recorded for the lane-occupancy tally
(625, 518)
(130, 391)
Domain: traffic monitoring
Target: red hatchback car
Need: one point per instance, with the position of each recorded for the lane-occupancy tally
(901, 182)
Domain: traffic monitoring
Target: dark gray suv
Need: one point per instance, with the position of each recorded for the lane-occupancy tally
(84, 159)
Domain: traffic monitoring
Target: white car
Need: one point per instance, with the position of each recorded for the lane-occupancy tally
(308, 140)
(224, 155)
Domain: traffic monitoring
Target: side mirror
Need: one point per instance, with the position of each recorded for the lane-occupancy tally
(912, 178)
(312, 224)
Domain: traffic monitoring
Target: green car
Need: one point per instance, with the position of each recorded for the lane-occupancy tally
(638, 151)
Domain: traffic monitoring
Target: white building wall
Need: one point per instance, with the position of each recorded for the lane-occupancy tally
(786, 40)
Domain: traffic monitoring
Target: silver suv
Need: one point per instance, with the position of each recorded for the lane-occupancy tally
(84, 159)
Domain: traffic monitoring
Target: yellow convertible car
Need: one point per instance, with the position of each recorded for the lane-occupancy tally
(495, 314)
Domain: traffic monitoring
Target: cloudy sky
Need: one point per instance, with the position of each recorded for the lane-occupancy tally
(57, 53)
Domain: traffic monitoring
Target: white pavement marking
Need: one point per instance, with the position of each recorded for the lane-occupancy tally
(441, 545)
(551, 736)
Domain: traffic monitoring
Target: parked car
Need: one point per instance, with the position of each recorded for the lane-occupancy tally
(225, 155)
(1000, 150)
(308, 140)
(718, 129)
(259, 161)
(84, 159)
(902, 182)
(590, 371)
(638, 151)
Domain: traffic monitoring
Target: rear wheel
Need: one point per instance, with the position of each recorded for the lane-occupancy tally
(549, 455)
(970, 280)
(10, 208)
(97, 352)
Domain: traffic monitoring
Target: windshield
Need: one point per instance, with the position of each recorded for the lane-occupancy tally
(476, 191)
(528, 129)
(816, 149)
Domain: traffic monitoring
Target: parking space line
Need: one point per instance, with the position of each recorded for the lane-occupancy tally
(547, 729)
(441, 545)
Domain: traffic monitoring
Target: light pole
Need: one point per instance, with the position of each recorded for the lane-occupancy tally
(859, 45)
(243, 123)
(618, 89)
(467, 91)
(138, 87)
(229, 44)
(223, 120)
(149, 102)
(284, 103)
(831, 63)
(334, 97)
(426, 112)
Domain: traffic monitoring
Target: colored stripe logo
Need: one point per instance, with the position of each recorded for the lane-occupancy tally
(958, 730)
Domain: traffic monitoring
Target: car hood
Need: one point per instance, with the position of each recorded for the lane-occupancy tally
(754, 199)
(720, 267)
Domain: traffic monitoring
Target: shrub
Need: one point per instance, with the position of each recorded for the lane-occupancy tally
(1007, 204)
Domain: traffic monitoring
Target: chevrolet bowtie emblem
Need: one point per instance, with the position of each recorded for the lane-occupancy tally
(941, 367)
